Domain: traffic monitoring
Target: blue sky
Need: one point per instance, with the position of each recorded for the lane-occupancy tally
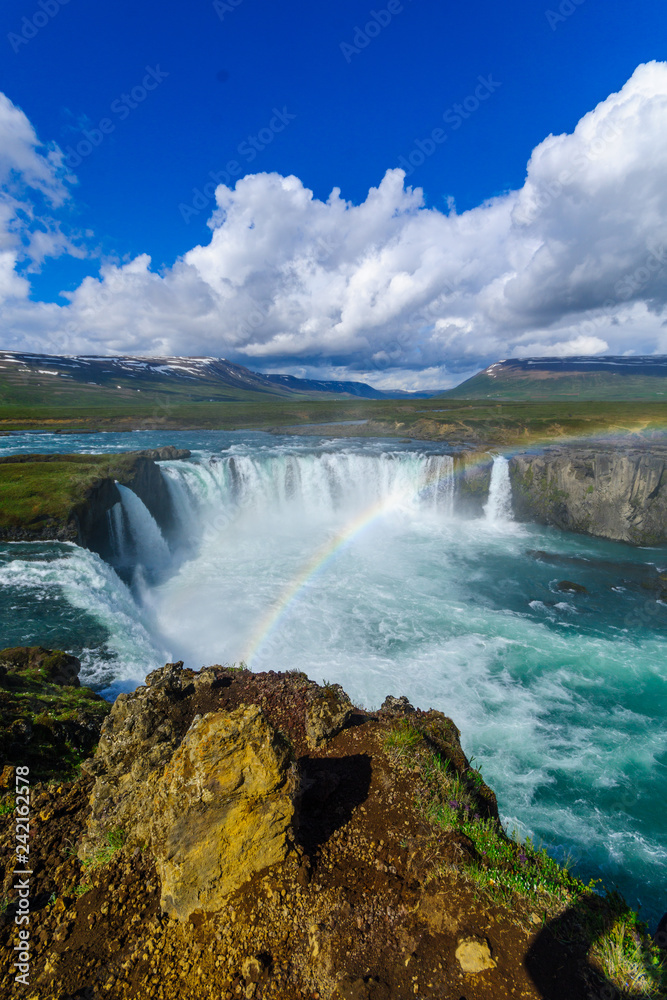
(149, 102)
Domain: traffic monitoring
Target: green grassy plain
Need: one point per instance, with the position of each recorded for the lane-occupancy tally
(475, 422)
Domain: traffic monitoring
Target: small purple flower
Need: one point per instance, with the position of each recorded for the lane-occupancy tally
(453, 803)
(522, 857)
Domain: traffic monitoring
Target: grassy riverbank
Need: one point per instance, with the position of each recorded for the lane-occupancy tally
(38, 489)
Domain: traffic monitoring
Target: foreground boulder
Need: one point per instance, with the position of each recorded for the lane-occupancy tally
(221, 811)
(211, 797)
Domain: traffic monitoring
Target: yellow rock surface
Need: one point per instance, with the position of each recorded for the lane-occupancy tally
(474, 956)
(222, 810)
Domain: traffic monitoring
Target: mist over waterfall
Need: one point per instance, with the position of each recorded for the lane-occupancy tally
(317, 485)
(355, 562)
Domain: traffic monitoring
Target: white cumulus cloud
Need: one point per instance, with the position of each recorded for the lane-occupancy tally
(575, 262)
(33, 185)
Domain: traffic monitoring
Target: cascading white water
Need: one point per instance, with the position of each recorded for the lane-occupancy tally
(117, 534)
(499, 505)
(324, 485)
(152, 552)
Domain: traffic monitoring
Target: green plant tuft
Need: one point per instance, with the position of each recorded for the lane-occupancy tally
(403, 739)
(7, 805)
(114, 841)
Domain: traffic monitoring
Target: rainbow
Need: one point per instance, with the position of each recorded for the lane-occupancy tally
(326, 554)
(319, 561)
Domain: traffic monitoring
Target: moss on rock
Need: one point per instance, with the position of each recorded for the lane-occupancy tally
(48, 721)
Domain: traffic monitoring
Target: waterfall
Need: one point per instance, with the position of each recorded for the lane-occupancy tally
(440, 476)
(118, 535)
(152, 552)
(499, 505)
(327, 484)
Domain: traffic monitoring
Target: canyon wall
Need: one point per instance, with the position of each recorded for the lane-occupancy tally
(607, 491)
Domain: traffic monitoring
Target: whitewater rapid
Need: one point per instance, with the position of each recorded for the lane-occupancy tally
(350, 561)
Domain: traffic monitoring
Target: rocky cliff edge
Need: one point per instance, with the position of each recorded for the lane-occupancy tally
(256, 835)
(619, 493)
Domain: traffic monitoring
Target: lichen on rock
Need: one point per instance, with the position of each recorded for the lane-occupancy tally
(210, 796)
(222, 810)
(327, 714)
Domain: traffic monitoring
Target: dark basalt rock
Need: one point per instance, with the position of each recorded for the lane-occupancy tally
(90, 518)
(607, 491)
(167, 454)
(568, 587)
(396, 706)
(660, 937)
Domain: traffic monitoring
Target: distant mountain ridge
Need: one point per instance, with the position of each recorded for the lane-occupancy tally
(205, 377)
(585, 377)
(349, 388)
